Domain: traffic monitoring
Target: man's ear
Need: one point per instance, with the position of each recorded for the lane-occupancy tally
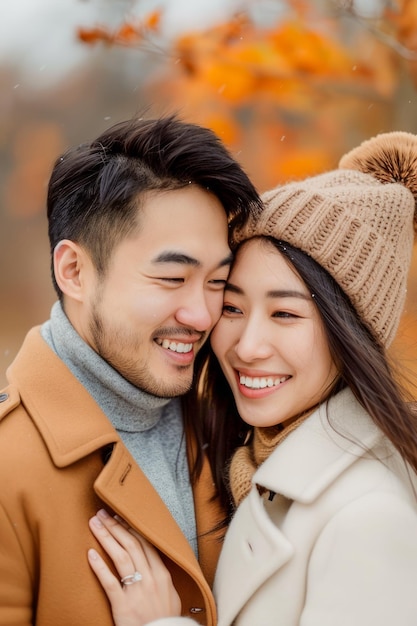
(71, 266)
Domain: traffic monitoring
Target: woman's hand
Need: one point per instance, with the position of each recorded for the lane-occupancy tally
(134, 603)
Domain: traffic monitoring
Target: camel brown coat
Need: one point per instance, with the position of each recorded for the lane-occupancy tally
(55, 474)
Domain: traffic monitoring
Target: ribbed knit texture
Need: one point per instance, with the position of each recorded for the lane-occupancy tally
(357, 223)
(247, 459)
(150, 427)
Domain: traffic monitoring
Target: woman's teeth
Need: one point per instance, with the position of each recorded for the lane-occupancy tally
(254, 382)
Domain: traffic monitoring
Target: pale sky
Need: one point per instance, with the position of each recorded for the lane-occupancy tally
(39, 35)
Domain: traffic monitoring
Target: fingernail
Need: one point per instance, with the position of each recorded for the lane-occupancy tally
(96, 522)
(103, 514)
(92, 554)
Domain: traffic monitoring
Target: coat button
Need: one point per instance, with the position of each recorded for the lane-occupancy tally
(4, 397)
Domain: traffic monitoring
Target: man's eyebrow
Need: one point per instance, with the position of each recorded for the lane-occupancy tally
(184, 259)
(275, 293)
(176, 257)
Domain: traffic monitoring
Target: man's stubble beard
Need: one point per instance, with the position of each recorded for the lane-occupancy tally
(138, 375)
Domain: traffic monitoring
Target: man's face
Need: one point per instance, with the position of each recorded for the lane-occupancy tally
(162, 292)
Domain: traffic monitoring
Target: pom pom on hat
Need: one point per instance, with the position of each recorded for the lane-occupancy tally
(390, 158)
(357, 222)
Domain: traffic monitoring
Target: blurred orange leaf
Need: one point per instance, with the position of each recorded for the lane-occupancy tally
(153, 20)
(240, 59)
(404, 16)
(94, 35)
(128, 34)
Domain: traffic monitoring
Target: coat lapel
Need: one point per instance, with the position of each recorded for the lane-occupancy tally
(253, 551)
(208, 516)
(127, 491)
(319, 450)
(69, 420)
(124, 488)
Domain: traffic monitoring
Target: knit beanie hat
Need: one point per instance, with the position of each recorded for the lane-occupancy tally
(357, 222)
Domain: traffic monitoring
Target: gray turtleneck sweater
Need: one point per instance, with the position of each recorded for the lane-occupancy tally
(150, 427)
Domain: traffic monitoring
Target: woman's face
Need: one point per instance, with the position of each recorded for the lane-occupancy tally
(270, 339)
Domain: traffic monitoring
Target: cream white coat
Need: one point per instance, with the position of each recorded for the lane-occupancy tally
(337, 545)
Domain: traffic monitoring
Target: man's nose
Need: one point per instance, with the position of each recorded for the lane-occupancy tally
(196, 311)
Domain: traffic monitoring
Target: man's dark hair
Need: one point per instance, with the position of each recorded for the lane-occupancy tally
(95, 189)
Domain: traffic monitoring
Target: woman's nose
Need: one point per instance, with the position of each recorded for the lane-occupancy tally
(253, 342)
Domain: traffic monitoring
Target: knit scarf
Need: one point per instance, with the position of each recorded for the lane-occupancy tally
(247, 459)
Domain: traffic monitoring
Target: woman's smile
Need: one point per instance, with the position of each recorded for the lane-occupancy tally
(270, 339)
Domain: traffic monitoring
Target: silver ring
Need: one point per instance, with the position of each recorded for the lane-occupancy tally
(131, 578)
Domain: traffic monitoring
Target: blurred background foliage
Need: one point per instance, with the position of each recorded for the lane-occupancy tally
(288, 85)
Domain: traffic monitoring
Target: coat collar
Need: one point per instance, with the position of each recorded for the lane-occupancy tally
(316, 453)
(69, 420)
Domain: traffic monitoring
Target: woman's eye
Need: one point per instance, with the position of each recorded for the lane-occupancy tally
(284, 314)
(228, 308)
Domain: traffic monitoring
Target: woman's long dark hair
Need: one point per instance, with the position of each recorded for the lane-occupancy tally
(363, 366)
